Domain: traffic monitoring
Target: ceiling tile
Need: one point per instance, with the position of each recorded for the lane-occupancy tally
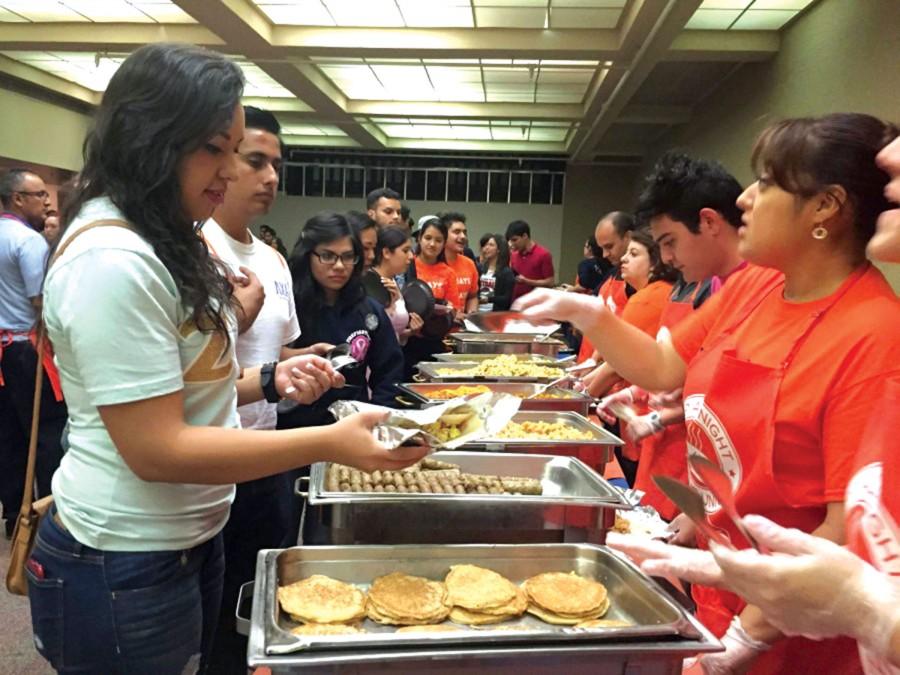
(400, 130)
(589, 3)
(375, 13)
(712, 19)
(503, 17)
(510, 133)
(108, 11)
(472, 133)
(510, 3)
(299, 13)
(43, 11)
(763, 19)
(522, 75)
(7, 16)
(781, 4)
(564, 17)
(436, 14)
(164, 12)
(508, 97)
(548, 134)
(725, 4)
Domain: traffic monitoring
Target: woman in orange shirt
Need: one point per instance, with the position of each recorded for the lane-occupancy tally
(777, 369)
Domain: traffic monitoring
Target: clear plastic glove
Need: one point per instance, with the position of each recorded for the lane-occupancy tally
(662, 400)
(305, 378)
(812, 587)
(643, 426)
(740, 651)
(665, 560)
(351, 441)
(683, 531)
(621, 397)
(576, 308)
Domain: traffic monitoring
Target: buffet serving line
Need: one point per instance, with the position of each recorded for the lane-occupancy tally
(486, 556)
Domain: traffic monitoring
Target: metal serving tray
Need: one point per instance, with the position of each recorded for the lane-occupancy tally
(567, 399)
(599, 435)
(578, 505)
(659, 624)
(428, 370)
(504, 343)
(537, 359)
(565, 480)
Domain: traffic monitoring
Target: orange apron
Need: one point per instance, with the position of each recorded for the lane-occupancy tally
(873, 501)
(613, 294)
(6, 339)
(730, 406)
(664, 453)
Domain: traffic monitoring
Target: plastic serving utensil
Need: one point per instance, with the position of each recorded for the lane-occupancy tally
(690, 502)
(720, 485)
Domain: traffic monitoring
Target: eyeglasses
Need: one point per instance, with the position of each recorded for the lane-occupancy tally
(329, 258)
(42, 194)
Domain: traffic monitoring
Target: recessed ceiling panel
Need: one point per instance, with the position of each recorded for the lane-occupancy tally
(436, 13)
(568, 17)
(511, 17)
(763, 19)
(98, 11)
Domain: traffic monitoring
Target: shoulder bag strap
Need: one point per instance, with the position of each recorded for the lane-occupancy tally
(28, 493)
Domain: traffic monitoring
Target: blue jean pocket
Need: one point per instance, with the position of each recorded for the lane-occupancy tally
(46, 599)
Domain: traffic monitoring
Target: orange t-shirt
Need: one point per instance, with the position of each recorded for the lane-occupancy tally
(827, 388)
(441, 279)
(466, 280)
(644, 309)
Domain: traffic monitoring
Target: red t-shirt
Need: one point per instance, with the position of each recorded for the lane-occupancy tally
(441, 279)
(466, 280)
(534, 264)
(826, 389)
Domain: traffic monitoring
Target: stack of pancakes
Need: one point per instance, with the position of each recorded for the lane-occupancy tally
(566, 599)
(324, 606)
(481, 596)
(403, 600)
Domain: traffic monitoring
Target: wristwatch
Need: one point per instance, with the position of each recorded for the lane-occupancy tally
(267, 382)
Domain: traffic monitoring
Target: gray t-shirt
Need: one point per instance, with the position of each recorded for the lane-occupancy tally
(122, 334)
(23, 254)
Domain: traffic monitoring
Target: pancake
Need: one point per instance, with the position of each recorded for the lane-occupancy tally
(321, 599)
(431, 628)
(566, 619)
(476, 588)
(604, 623)
(516, 607)
(567, 595)
(326, 629)
(402, 599)
(464, 616)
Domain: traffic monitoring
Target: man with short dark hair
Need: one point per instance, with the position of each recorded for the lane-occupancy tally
(466, 272)
(23, 257)
(532, 263)
(383, 206)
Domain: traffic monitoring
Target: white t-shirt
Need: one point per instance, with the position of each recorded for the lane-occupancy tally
(276, 324)
(486, 284)
(121, 334)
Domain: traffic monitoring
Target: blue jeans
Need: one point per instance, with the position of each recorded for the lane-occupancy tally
(112, 612)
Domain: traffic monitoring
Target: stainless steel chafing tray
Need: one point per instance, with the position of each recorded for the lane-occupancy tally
(456, 372)
(576, 505)
(563, 399)
(537, 359)
(662, 633)
(505, 343)
(599, 435)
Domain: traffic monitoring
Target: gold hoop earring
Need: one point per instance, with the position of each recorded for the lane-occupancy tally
(819, 233)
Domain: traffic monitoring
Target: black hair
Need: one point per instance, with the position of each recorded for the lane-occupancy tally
(323, 228)
(502, 249)
(659, 271)
(680, 186)
(517, 228)
(808, 155)
(164, 102)
(440, 227)
(360, 222)
(404, 213)
(266, 228)
(623, 223)
(452, 217)
(380, 193)
(484, 239)
(11, 183)
(257, 118)
(596, 251)
(390, 238)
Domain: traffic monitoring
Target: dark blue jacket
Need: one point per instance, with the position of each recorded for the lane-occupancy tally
(367, 329)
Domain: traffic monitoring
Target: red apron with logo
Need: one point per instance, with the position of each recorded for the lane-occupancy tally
(730, 406)
(873, 500)
(664, 453)
(613, 294)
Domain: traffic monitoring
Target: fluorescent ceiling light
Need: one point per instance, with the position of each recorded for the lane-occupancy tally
(725, 4)
(436, 13)
(365, 13)
(297, 13)
(763, 19)
(712, 19)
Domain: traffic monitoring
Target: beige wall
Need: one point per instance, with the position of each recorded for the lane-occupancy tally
(35, 131)
(290, 213)
(591, 192)
(842, 55)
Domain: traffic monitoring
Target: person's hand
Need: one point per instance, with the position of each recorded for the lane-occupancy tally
(665, 560)
(319, 348)
(250, 295)
(621, 397)
(642, 426)
(392, 288)
(415, 322)
(576, 308)
(662, 400)
(305, 378)
(741, 651)
(354, 444)
(812, 587)
(683, 531)
(520, 279)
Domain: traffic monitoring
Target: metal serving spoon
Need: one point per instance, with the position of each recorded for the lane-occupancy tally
(690, 502)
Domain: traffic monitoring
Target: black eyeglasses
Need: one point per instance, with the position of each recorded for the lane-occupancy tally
(329, 258)
(42, 194)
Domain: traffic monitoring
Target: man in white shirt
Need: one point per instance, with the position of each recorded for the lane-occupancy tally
(261, 513)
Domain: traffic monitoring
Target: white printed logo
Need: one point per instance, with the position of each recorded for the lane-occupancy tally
(708, 437)
(875, 522)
